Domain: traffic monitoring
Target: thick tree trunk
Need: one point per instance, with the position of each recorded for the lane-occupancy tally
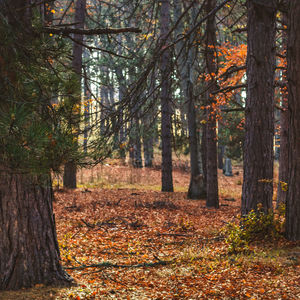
(293, 197)
(212, 199)
(70, 168)
(259, 113)
(29, 252)
(166, 123)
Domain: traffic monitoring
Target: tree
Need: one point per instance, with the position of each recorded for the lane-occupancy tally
(70, 167)
(284, 126)
(211, 123)
(166, 124)
(35, 140)
(29, 252)
(186, 62)
(293, 72)
(259, 111)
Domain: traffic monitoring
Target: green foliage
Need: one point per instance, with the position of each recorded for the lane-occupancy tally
(256, 226)
(34, 136)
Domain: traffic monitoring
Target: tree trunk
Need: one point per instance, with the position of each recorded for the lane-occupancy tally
(284, 133)
(293, 58)
(86, 107)
(137, 145)
(212, 199)
(166, 123)
(70, 167)
(221, 150)
(196, 188)
(188, 77)
(122, 133)
(29, 252)
(203, 154)
(148, 151)
(148, 138)
(283, 156)
(259, 112)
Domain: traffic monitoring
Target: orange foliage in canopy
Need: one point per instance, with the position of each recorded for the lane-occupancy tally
(231, 60)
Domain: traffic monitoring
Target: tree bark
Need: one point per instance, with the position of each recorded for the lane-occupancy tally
(259, 112)
(212, 199)
(196, 188)
(29, 252)
(70, 169)
(221, 150)
(166, 123)
(293, 67)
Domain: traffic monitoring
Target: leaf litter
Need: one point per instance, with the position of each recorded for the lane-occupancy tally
(138, 243)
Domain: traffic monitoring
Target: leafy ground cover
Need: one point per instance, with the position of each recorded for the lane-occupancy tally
(120, 238)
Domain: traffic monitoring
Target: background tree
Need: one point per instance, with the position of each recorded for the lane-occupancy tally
(70, 167)
(211, 123)
(284, 119)
(166, 131)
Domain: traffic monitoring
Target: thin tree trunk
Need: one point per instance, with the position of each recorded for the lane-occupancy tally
(122, 133)
(259, 112)
(104, 106)
(196, 188)
(211, 135)
(186, 70)
(166, 122)
(221, 150)
(150, 121)
(203, 154)
(87, 108)
(293, 197)
(70, 169)
(137, 145)
(284, 134)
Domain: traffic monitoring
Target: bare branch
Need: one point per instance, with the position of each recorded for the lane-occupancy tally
(95, 31)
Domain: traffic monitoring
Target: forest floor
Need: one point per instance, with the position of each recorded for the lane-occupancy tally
(121, 238)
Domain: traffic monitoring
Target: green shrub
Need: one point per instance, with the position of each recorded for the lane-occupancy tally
(256, 226)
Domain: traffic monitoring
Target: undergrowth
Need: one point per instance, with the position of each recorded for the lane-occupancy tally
(257, 226)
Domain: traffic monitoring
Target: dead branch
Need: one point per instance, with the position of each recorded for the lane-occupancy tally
(94, 31)
(105, 265)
